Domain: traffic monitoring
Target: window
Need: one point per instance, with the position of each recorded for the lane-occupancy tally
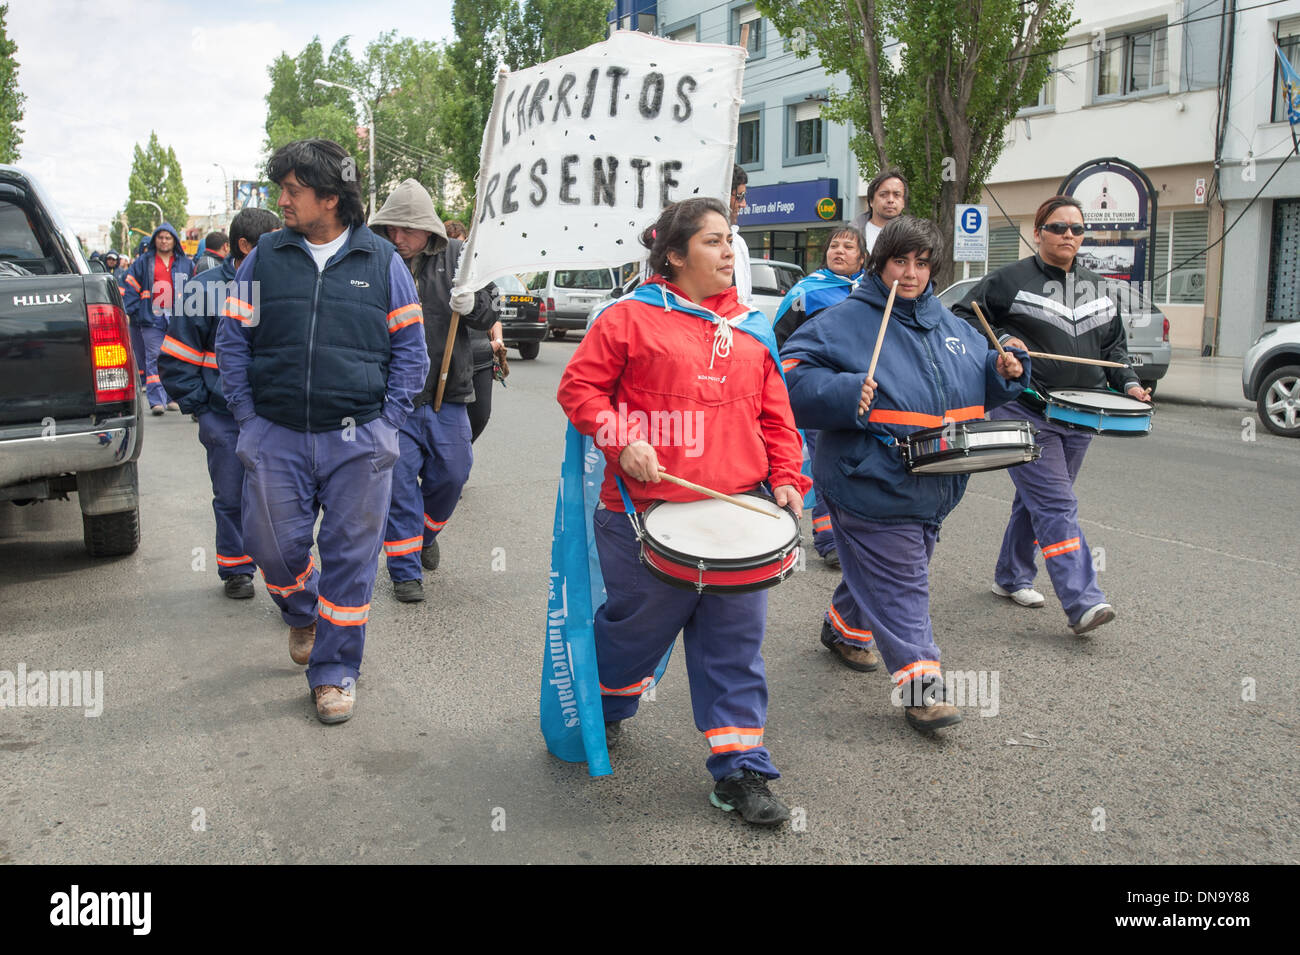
(686, 34)
(749, 140)
(805, 133)
(1045, 98)
(747, 14)
(1288, 40)
(1283, 302)
(1188, 231)
(1133, 65)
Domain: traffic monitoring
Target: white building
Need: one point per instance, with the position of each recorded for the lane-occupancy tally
(1261, 283)
(1136, 81)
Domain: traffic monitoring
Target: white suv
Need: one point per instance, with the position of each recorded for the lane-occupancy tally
(1270, 377)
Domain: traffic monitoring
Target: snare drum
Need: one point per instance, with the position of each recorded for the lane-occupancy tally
(711, 546)
(1102, 412)
(964, 447)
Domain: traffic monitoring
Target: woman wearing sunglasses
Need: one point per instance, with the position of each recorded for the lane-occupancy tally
(1049, 303)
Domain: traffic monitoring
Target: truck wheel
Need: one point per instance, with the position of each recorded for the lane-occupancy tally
(111, 535)
(529, 350)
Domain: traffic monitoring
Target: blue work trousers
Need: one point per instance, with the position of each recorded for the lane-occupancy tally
(723, 639)
(823, 534)
(886, 571)
(153, 339)
(290, 477)
(218, 433)
(1045, 515)
(429, 475)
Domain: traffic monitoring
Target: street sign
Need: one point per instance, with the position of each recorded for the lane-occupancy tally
(970, 233)
(1199, 197)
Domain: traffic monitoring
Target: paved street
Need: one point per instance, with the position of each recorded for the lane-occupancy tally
(1153, 755)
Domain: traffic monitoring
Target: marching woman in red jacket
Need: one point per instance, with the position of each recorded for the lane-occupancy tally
(681, 376)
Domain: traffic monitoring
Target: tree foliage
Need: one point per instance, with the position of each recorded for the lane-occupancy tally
(296, 108)
(933, 84)
(11, 98)
(155, 176)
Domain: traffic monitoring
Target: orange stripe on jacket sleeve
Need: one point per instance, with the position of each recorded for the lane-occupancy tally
(399, 318)
(789, 363)
(178, 349)
(131, 280)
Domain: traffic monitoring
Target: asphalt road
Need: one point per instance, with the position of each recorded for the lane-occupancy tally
(208, 750)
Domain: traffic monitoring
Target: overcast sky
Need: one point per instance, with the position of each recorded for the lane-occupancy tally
(198, 77)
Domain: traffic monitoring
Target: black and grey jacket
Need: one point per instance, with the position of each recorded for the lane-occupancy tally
(1063, 313)
(434, 267)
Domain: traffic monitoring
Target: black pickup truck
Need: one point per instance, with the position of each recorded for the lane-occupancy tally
(69, 398)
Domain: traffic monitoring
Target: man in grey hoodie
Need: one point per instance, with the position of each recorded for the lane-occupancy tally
(435, 446)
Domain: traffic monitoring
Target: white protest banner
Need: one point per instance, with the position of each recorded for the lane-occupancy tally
(582, 152)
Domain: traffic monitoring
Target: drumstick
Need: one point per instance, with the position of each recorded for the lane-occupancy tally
(985, 322)
(880, 339)
(716, 494)
(1081, 361)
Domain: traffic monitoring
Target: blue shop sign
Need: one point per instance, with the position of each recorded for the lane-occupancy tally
(788, 203)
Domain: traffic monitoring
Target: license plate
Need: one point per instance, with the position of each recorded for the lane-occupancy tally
(509, 311)
(1135, 360)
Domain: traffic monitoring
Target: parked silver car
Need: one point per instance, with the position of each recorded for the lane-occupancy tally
(1270, 377)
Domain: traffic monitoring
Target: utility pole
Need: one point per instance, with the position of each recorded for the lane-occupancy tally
(370, 118)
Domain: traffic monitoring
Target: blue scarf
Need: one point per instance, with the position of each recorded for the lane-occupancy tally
(817, 291)
(572, 718)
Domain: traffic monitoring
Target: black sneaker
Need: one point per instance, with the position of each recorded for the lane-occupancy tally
(747, 793)
(429, 555)
(832, 559)
(613, 733)
(239, 587)
(408, 591)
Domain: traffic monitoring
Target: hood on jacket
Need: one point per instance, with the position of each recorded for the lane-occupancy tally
(924, 311)
(410, 206)
(167, 227)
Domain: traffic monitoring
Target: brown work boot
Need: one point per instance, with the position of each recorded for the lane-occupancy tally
(862, 659)
(932, 717)
(301, 640)
(333, 703)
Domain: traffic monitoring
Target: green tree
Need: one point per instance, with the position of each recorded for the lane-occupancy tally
(473, 58)
(539, 30)
(296, 108)
(155, 176)
(493, 33)
(11, 99)
(965, 68)
(406, 83)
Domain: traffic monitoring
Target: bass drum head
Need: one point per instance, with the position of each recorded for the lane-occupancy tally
(1106, 401)
(713, 530)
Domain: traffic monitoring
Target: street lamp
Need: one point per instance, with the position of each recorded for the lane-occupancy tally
(370, 117)
(225, 196)
(150, 202)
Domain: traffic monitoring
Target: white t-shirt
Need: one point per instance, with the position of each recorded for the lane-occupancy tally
(872, 230)
(322, 253)
(741, 273)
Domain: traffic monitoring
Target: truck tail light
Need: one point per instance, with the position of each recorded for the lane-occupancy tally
(110, 345)
(550, 303)
(1166, 329)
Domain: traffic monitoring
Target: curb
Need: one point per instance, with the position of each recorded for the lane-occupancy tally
(1176, 399)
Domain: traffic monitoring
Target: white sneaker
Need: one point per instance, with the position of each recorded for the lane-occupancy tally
(1093, 618)
(1026, 596)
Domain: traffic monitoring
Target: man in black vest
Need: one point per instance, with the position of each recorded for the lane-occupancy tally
(436, 456)
(321, 353)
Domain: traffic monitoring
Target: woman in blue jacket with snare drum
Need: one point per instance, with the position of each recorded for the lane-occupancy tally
(933, 368)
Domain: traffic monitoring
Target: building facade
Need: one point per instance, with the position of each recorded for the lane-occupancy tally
(1138, 82)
